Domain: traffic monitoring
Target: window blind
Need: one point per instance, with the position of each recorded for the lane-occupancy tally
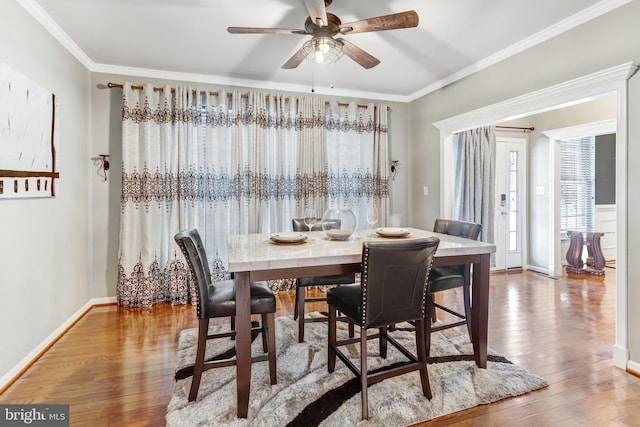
(577, 184)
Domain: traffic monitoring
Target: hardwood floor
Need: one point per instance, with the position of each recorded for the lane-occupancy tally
(115, 366)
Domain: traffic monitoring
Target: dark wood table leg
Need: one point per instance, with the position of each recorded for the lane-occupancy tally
(480, 309)
(243, 342)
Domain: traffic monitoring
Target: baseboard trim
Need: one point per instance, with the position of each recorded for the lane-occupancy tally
(621, 360)
(634, 371)
(539, 270)
(16, 372)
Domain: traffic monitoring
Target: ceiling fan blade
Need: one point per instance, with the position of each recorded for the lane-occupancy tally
(294, 61)
(394, 21)
(317, 11)
(255, 30)
(360, 56)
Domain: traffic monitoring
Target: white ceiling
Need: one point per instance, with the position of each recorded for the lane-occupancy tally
(188, 40)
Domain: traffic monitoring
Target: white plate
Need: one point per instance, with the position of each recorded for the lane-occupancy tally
(392, 232)
(337, 234)
(288, 237)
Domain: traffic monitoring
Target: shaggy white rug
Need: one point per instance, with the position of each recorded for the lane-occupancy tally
(306, 394)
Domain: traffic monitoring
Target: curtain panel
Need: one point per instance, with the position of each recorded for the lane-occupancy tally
(357, 141)
(227, 163)
(474, 178)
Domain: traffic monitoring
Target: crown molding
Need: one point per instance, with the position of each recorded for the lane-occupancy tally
(567, 24)
(600, 8)
(592, 86)
(230, 81)
(38, 13)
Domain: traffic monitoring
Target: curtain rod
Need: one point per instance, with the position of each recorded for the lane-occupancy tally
(530, 129)
(111, 85)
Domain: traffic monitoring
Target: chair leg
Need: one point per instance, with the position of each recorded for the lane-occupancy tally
(265, 331)
(203, 330)
(364, 389)
(233, 327)
(270, 324)
(467, 306)
(383, 342)
(352, 329)
(295, 306)
(427, 325)
(331, 348)
(433, 308)
(422, 357)
(300, 305)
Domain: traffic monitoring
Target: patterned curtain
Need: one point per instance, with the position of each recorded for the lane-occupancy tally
(312, 157)
(157, 132)
(227, 163)
(358, 159)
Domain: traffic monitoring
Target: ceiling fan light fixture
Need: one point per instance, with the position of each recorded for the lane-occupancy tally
(322, 50)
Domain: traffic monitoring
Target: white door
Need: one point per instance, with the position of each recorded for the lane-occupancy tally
(510, 202)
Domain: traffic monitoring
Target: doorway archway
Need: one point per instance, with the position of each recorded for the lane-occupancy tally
(612, 80)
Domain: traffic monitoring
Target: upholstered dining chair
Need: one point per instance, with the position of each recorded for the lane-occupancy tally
(450, 277)
(303, 283)
(217, 299)
(392, 290)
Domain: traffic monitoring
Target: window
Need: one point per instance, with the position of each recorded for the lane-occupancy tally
(577, 189)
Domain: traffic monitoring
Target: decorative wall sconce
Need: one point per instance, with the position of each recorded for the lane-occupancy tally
(102, 161)
(394, 168)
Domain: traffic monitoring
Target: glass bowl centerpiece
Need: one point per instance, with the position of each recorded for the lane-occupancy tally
(338, 224)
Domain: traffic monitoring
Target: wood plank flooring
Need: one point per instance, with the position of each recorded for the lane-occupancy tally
(115, 366)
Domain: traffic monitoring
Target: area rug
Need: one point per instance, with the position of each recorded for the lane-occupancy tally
(307, 395)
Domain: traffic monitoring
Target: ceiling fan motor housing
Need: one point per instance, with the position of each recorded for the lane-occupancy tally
(331, 29)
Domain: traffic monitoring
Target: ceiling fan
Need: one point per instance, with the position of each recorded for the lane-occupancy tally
(324, 48)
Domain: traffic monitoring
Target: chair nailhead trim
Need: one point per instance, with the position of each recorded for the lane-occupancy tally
(364, 279)
(426, 290)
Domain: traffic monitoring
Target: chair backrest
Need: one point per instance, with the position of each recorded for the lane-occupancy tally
(452, 227)
(299, 225)
(465, 229)
(394, 280)
(193, 250)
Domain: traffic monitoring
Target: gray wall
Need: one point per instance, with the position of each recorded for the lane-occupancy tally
(605, 169)
(607, 41)
(45, 251)
(604, 42)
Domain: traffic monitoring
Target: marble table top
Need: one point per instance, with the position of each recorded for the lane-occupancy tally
(251, 252)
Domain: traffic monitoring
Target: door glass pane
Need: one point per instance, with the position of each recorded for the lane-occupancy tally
(513, 241)
(513, 201)
(514, 205)
(513, 181)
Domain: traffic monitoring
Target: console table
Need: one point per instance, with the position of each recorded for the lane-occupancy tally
(595, 259)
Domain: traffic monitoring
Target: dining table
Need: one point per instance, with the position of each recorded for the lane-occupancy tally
(256, 257)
